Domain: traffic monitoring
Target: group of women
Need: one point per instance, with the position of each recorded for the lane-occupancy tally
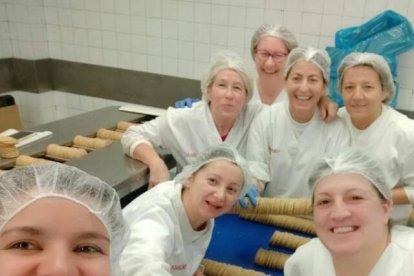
(281, 126)
(280, 123)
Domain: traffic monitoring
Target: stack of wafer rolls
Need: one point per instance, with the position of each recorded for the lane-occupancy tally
(26, 160)
(213, 268)
(288, 240)
(271, 259)
(281, 206)
(288, 222)
(65, 153)
(122, 126)
(90, 143)
(8, 147)
(104, 133)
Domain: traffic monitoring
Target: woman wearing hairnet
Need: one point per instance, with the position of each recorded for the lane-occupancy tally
(285, 138)
(223, 116)
(171, 224)
(366, 87)
(59, 220)
(270, 46)
(351, 208)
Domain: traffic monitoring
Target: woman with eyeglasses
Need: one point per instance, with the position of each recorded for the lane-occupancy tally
(270, 46)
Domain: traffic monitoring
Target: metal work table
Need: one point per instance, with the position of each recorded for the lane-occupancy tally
(109, 164)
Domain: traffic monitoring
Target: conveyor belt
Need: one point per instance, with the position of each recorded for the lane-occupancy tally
(236, 241)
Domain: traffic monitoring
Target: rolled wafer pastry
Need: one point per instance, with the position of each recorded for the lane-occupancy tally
(214, 268)
(90, 143)
(122, 126)
(288, 222)
(104, 133)
(287, 240)
(270, 258)
(65, 153)
(26, 160)
(279, 206)
(8, 147)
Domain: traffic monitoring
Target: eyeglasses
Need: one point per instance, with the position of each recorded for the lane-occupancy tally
(264, 55)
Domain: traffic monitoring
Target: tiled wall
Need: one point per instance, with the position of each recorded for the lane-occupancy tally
(177, 37)
(42, 108)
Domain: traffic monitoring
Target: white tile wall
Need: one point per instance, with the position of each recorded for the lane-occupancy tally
(177, 37)
(36, 109)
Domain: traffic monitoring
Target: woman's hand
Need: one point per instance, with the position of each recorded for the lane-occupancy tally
(328, 109)
(158, 173)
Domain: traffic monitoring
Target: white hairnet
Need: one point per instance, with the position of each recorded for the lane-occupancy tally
(374, 61)
(227, 60)
(276, 31)
(352, 160)
(318, 57)
(218, 152)
(22, 186)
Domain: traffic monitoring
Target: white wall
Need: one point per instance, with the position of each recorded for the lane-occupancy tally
(177, 37)
(36, 109)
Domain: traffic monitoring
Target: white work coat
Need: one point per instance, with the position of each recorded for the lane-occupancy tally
(282, 160)
(313, 258)
(391, 139)
(186, 132)
(162, 241)
(256, 97)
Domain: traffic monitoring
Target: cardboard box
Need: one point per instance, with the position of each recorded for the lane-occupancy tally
(10, 118)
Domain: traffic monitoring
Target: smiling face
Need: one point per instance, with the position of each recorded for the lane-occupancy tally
(350, 217)
(212, 191)
(305, 86)
(54, 236)
(362, 93)
(270, 56)
(227, 95)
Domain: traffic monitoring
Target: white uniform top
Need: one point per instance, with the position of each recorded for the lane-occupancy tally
(313, 258)
(391, 139)
(162, 241)
(186, 132)
(280, 98)
(282, 151)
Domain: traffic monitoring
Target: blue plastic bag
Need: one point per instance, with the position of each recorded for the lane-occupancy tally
(388, 34)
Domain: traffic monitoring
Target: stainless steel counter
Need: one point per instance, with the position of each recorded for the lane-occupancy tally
(109, 164)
